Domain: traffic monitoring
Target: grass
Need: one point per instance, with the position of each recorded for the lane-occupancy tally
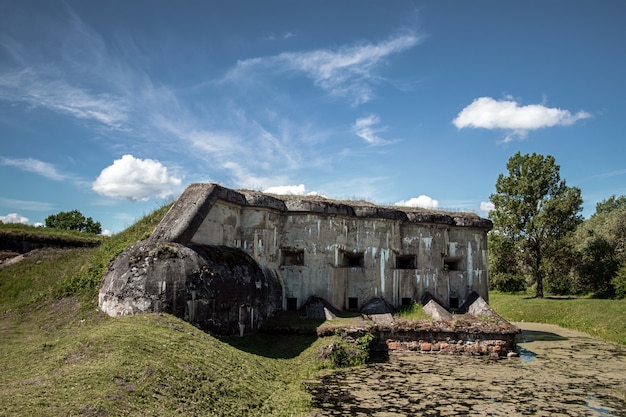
(601, 318)
(61, 359)
(413, 312)
(27, 232)
(60, 356)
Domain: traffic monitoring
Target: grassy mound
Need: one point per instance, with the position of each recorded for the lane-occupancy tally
(60, 356)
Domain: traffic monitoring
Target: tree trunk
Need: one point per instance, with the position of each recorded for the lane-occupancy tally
(538, 275)
(539, 293)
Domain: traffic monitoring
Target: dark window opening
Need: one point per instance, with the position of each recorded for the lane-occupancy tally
(454, 303)
(292, 257)
(451, 265)
(353, 303)
(292, 303)
(407, 301)
(353, 259)
(406, 262)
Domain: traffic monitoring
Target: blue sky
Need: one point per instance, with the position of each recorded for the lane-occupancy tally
(113, 107)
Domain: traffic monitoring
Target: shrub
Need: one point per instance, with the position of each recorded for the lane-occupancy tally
(507, 282)
(619, 283)
(348, 351)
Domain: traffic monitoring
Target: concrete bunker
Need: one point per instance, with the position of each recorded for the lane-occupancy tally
(226, 260)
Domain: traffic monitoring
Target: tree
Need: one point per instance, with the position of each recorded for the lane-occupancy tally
(610, 204)
(503, 274)
(601, 245)
(73, 220)
(534, 210)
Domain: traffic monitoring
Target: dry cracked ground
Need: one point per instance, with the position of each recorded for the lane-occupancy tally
(559, 373)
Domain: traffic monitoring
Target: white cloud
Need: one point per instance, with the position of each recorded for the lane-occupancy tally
(286, 190)
(289, 190)
(33, 165)
(14, 218)
(136, 179)
(423, 201)
(106, 232)
(488, 113)
(365, 128)
(487, 206)
(346, 72)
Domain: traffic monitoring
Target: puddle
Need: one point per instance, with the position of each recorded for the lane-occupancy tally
(525, 355)
(559, 372)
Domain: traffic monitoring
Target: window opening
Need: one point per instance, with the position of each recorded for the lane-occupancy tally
(353, 259)
(454, 303)
(451, 265)
(292, 256)
(406, 262)
(353, 303)
(292, 303)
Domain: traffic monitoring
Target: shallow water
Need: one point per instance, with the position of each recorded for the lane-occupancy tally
(559, 373)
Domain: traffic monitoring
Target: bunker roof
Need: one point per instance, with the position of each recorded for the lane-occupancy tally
(188, 212)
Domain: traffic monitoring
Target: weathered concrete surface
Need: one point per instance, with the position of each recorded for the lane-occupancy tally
(377, 306)
(437, 312)
(560, 373)
(317, 308)
(350, 253)
(345, 253)
(187, 214)
(218, 289)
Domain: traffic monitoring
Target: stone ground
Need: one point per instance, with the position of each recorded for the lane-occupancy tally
(559, 373)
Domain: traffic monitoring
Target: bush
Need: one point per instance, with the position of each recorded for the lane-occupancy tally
(348, 351)
(566, 284)
(507, 282)
(619, 283)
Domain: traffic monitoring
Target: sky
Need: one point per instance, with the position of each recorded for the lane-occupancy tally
(113, 107)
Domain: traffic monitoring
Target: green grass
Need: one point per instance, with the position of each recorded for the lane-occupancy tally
(60, 359)
(413, 312)
(601, 318)
(27, 232)
(60, 356)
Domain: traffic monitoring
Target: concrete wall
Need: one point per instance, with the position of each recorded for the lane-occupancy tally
(347, 260)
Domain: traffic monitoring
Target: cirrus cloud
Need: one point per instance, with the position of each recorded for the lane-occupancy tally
(36, 166)
(136, 179)
(367, 129)
(517, 120)
(347, 72)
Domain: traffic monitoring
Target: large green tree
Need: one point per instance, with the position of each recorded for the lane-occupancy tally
(534, 210)
(73, 220)
(601, 245)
